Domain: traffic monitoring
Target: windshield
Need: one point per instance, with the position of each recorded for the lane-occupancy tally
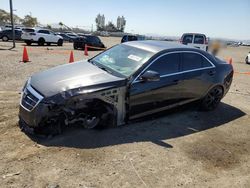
(123, 59)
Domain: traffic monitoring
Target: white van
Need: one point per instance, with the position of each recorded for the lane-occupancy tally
(196, 40)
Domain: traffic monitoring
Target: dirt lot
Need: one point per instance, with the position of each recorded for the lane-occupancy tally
(183, 148)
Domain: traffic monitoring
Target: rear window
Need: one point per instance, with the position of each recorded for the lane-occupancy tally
(93, 39)
(199, 39)
(191, 61)
(187, 39)
(44, 31)
(132, 38)
(194, 61)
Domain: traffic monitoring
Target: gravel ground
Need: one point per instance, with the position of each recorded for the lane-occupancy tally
(180, 148)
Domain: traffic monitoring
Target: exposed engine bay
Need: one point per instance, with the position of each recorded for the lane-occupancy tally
(87, 108)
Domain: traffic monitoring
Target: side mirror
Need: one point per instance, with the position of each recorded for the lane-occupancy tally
(150, 76)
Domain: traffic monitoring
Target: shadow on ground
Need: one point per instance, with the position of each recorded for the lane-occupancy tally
(170, 124)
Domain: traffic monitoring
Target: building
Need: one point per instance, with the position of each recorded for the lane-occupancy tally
(121, 22)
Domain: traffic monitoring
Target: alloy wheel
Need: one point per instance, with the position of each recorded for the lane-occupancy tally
(213, 98)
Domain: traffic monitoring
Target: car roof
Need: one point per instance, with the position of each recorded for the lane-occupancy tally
(156, 46)
(193, 34)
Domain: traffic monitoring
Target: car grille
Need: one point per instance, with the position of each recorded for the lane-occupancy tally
(30, 98)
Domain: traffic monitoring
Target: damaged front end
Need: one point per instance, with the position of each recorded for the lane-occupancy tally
(101, 105)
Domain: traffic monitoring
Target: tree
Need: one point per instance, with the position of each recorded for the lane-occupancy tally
(49, 26)
(100, 22)
(110, 27)
(61, 25)
(29, 21)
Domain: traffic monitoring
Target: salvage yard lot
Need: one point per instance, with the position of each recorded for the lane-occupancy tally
(180, 148)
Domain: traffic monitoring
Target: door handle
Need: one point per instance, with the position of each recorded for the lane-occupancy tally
(211, 73)
(176, 81)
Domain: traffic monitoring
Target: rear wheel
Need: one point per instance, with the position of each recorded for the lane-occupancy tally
(212, 99)
(75, 46)
(28, 43)
(5, 38)
(41, 42)
(60, 42)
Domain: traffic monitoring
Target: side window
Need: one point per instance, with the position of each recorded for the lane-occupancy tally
(187, 39)
(191, 61)
(167, 64)
(43, 31)
(97, 40)
(124, 38)
(199, 39)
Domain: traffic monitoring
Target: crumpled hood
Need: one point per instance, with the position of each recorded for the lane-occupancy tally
(70, 76)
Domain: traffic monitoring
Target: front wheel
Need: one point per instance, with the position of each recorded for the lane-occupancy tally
(41, 42)
(75, 46)
(212, 99)
(28, 43)
(60, 42)
(5, 38)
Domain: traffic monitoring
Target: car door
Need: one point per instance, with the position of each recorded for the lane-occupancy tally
(53, 37)
(44, 34)
(198, 73)
(187, 39)
(152, 96)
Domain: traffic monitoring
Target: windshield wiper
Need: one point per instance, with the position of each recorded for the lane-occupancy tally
(105, 69)
(99, 66)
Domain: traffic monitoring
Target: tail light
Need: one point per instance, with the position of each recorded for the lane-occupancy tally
(32, 33)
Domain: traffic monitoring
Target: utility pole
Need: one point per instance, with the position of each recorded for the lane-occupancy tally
(12, 24)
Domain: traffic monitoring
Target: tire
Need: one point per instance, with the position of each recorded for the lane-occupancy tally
(212, 99)
(5, 38)
(41, 42)
(100, 116)
(60, 42)
(75, 46)
(28, 43)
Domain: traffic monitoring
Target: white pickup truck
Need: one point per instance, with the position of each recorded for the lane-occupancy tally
(41, 36)
(196, 40)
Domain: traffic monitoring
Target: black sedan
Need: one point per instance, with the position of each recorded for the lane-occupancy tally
(68, 37)
(90, 40)
(7, 34)
(125, 82)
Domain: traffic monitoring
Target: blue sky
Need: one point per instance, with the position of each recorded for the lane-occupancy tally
(215, 18)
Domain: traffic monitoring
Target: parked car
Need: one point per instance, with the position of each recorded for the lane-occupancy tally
(247, 60)
(41, 36)
(7, 34)
(127, 38)
(196, 40)
(90, 40)
(125, 82)
(67, 37)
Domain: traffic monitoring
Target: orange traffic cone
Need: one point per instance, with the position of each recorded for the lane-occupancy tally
(71, 58)
(25, 55)
(86, 50)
